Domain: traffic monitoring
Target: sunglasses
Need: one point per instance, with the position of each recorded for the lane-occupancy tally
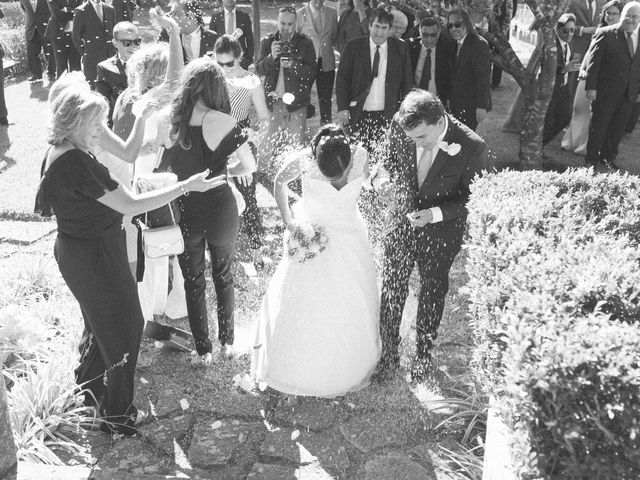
(454, 25)
(429, 35)
(227, 64)
(568, 30)
(127, 43)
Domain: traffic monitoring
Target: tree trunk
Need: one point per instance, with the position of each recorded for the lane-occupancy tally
(537, 94)
(8, 458)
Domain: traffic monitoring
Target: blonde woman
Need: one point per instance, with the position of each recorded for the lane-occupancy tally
(90, 250)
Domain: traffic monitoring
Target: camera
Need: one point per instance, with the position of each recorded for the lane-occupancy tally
(287, 50)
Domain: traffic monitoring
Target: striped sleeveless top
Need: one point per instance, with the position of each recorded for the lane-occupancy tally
(240, 95)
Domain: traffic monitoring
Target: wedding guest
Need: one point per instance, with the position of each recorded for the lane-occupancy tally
(111, 78)
(317, 332)
(400, 24)
(245, 92)
(37, 16)
(430, 55)
(587, 14)
(559, 110)
(612, 85)
(287, 61)
(197, 40)
(229, 20)
(369, 92)
(58, 32)
(153, 70)
(427, 222)
(575, 138)
(93, 23)
(204, 135)
(470, 95)
(319, 22)
(123, 10)
(352, 23)
(88, 204)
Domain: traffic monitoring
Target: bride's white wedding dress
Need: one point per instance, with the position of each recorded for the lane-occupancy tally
(318, 326)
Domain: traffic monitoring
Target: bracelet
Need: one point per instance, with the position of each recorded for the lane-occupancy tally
(184, 192)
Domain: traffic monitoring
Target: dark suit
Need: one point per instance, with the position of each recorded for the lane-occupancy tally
(615, 76)
(111, 81)
(581, 41)
(35, 27)
(470, 80)
(560, 106)
(434, 246)
(92, 37)
(123, 11)
(442, 66)
(354, 80)
(243, 22)
(66, 55)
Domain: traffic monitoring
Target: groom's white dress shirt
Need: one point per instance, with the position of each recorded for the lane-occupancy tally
(428, 156)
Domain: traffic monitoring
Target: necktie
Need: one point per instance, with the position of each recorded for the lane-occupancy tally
(426, 72)
(632, 50)
(589, 10)
(565, 51)
(229, 27)
(99, 10)
(424, 164)
(34, 4)
(458, 51)
(376, 63)
(186, 44)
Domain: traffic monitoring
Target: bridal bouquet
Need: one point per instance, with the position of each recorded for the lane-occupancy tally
(305, 241)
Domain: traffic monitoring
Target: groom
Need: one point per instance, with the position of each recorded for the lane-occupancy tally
(432, 159)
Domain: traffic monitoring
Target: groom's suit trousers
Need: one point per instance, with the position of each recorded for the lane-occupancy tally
(433, 248)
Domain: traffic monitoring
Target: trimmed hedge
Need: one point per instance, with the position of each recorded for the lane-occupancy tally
(12, 35)
(554, 287)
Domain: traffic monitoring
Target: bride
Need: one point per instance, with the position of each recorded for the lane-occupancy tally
(318, 326)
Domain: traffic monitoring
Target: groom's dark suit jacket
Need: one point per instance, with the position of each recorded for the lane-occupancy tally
(447, 183)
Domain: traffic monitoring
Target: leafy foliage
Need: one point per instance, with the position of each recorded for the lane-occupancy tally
(554, 282)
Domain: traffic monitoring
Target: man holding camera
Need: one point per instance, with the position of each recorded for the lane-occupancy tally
(287, 61)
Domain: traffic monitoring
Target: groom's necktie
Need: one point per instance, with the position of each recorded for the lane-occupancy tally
(424, 164)
(376, 63)
(632, 50)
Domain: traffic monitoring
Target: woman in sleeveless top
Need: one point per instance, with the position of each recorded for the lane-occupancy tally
(245, 90)
(204, 136)
(90, 251)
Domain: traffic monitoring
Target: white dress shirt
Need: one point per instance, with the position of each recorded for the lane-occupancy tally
(436, 212)
(375, 99)
(191, 44)
(97, 6)
(634, 39)
(228, 14)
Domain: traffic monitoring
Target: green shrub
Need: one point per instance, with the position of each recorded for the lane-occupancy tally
(554, 285)
(15, 47)
(13, 16)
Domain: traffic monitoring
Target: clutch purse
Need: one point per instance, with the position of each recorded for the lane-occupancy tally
(162, 241)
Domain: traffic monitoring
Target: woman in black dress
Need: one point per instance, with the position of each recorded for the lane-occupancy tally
(90, 250)
(204, 135)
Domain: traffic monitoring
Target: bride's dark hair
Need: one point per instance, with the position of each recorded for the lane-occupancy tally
(330, 148)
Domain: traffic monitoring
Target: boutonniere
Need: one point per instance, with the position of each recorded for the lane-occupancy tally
(451, 149)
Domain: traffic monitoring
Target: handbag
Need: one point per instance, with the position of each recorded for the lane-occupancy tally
(162, 241)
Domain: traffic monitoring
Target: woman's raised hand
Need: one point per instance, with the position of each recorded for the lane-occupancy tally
(157, 16)
(200, 183)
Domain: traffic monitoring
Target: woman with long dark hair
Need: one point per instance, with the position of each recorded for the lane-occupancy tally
(203, 136)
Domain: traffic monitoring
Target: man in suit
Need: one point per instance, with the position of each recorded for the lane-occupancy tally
(228, 20)
(111, 78)
(319, 22)
(470, 96)
(430, 58)
(37, 15)
(560, 106)
(587, 15)
(197, 40)
(92, 32)
(59, 34)
(373, 77)
(287, 61)
(431, 161)
(612, 84)
(123, 10)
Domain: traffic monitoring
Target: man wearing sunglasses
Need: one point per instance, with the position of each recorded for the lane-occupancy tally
(430, 58)
(111, 78)
(470, 79)
(560, 106)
